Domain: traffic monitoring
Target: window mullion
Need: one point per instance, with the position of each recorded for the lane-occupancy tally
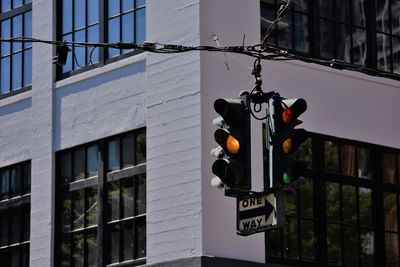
(102, 30)
(101, 198)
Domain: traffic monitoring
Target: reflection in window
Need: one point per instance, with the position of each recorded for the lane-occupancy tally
(80, 22)
(123, 237)
(16, 58)
(15, 215)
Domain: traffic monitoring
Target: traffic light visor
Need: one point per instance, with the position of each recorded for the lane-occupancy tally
(229, 109)
(292, 111)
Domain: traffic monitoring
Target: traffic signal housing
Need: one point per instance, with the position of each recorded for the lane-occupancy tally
(286, 140)
(233, 164)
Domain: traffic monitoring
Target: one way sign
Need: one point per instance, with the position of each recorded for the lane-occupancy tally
(256, 213)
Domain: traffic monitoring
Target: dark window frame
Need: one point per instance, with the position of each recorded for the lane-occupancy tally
(314, 19)
(20, 10)
(320, 176)
(103, 58)
(101, 182)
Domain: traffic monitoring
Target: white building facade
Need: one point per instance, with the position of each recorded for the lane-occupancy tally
(110, 164)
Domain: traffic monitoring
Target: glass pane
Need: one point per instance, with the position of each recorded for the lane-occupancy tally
(5, 33)
(334, 244)
(79, 164)
(5, 184)
(392, 249)
(141, 148)
(273, 244)
(17, 32)
(128, 28)
(25, 255)
(306, 199)
(91, 244)
(351, 246)
(396, 54)
(17, 3)
(113, 35)
(390, 208)
(364, 163)
(301, 5)
(65, 258)
(327, 39)
(16, 71)
(3, 228)
(359, 13)
(285, 33)
(326, 8)
(14, 257)
(332, 201)
(343, 42)
(80, 13)
(331, 156)
(5, 75)
(92, 154)
(139, 2)
(80, 52)
(66, 213)
(127, 5)
(26, 223)
(93, 37)
(127, 198)
(365, 204)
(78, 249)
(140, 26)
(66, 168)
(93, 11)
(128, 151)
(384, 53)
(367, 248)
(349, 204)
(141, 194)
(382, 15)
(28, 27)
(5, 5)
(27, 67)
(348, 158)
(78, 206)
(342, 10)
(68, 65)
(290, 204)
(15, 182)
(67, 16)
(301, 33)
(15, 226)
(395, 17)
(92, 206)
(307, 240)
(113, 161)
(113, 8)
(389, 168)
(27, 178)
(291, 247)
(113, 201)
(359, 49)
(305, 153)
(141, 238)
(128, 241)
(114, 243)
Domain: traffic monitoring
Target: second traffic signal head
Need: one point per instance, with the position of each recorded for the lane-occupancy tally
(286, 140)
(233, 136)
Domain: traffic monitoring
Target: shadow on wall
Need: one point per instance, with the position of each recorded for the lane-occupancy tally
(16, 107)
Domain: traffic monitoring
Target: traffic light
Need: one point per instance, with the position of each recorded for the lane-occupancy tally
(286, 140)
(233, 166)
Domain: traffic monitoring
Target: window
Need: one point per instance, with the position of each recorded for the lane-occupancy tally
(361, 32)
(101, 205)
(15, 58)
(94, 21)
(15, 187)
(346, 214)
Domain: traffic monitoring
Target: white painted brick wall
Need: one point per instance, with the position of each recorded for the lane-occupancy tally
(174, 222)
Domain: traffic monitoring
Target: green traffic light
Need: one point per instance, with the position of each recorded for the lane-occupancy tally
(287, 177)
